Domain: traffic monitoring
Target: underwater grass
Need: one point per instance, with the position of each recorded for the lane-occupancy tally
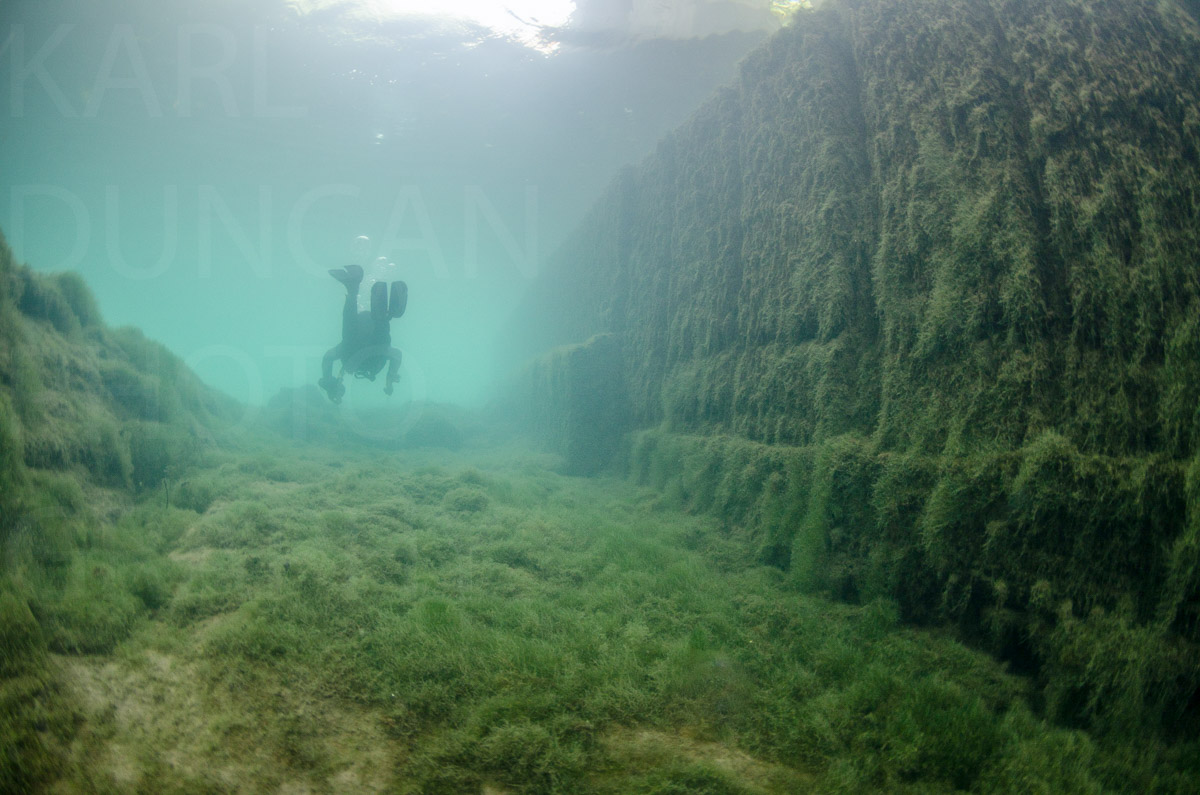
(1035, 554)
(480, 620)
(911, 307)
(263, 616)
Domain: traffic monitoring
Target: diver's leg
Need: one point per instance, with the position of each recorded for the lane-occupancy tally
(350, 308)
(349, 317)
(351, 276)
(379, 302)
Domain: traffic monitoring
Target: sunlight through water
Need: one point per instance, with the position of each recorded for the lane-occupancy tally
(520, 20)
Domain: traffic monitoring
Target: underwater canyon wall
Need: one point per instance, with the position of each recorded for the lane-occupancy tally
(914, 306)
(93, 422)
(85, 405)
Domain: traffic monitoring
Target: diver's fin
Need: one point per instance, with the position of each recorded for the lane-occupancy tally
(379, 299)
(399, 299)
(351, 275)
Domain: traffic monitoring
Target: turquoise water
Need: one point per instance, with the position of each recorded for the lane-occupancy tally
(202, 165)
(910, 462)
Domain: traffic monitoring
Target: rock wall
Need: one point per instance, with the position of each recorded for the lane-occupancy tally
(106, 406)
(572, 399)
(915, 306)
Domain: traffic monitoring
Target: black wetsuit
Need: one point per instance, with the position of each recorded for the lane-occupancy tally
(366, 344)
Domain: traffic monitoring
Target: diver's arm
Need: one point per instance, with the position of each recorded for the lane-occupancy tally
(331, 355)
(393, 373)
(333, 387)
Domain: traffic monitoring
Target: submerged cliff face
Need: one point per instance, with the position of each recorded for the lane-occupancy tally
(91, 419)
(900, 197)
(917, 303)
(108, 406)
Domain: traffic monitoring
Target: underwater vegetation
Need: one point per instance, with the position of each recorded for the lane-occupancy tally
(892, 358)
(91, 420)
(572, 399)
(912, 309)
(235, 609)
(458, 616)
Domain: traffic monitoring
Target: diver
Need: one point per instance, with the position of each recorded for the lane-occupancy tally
(366, 344)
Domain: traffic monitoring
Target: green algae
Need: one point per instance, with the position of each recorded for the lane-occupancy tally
(1032, 554)
(516, 646)
(287, 615)
(572, 399)
(88, 417)
(927, 347)
(922, 284)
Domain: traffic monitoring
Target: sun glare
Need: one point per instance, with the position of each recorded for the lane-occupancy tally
(522, 20)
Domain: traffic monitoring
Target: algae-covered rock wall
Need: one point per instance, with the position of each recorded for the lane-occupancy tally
(915, 306)
(572, 399)
(106, 406)
(899, 197)
(92, 421)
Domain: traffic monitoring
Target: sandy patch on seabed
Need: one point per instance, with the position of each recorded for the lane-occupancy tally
(647, 747)
(149, 724)
(149, 720)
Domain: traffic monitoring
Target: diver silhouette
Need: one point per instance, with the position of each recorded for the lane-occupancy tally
(366, 344)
